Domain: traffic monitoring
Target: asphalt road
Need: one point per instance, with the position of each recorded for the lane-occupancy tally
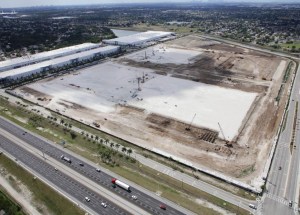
(144, 200)
(283, 180)
(61, 180)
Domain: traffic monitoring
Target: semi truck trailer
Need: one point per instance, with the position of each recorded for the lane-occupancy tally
(120, 184)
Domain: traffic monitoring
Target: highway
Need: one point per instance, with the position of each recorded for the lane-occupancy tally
(144, 201)
(61, 180)
(283, 180)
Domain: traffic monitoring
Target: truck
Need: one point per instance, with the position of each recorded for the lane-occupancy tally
(66, 159)
(120, 184)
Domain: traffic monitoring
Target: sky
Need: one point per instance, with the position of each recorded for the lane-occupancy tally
(29, 3)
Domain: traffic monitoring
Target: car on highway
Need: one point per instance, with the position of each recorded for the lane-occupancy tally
(55, 169)
(104, 204)
(98, 170)
(87, 199)
(290, 203)
(81, 164)
(134, 197)
(252, 206)
(66, 159)
(279, 168)
(163, 207)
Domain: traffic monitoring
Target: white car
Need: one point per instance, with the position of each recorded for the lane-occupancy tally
(134, 197)
(98, 170)
(104, 204)
(87, 199)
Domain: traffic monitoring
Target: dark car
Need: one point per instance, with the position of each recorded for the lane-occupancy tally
(162, 207)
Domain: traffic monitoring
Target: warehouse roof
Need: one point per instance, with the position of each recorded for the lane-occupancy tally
(140, 37)
(56, 61)
(46, 55)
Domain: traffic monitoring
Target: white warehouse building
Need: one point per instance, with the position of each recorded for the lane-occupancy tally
(27, 60)
(139, 39)
(56, 63)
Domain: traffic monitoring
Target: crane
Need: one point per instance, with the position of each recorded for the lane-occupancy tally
(229, 144)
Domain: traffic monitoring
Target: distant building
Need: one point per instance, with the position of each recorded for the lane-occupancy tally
(55, 63)
(139, 39)
(30, 59)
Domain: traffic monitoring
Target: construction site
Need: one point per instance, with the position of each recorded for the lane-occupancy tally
(210, 105)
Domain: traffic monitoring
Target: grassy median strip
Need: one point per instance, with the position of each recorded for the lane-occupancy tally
(117, 162)
(42, 193)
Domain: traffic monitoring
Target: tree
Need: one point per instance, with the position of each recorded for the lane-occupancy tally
(112, 144)
(73, 135)
(124, 149)
(117, 146)
(106, 141)
(96, 138)
(62, 121)
(129, 151)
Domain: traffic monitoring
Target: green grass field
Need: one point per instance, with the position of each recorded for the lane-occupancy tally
(8, 204)
(289, 46)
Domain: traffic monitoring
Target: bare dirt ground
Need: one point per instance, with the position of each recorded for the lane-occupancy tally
(21, 194)
(219, 64)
